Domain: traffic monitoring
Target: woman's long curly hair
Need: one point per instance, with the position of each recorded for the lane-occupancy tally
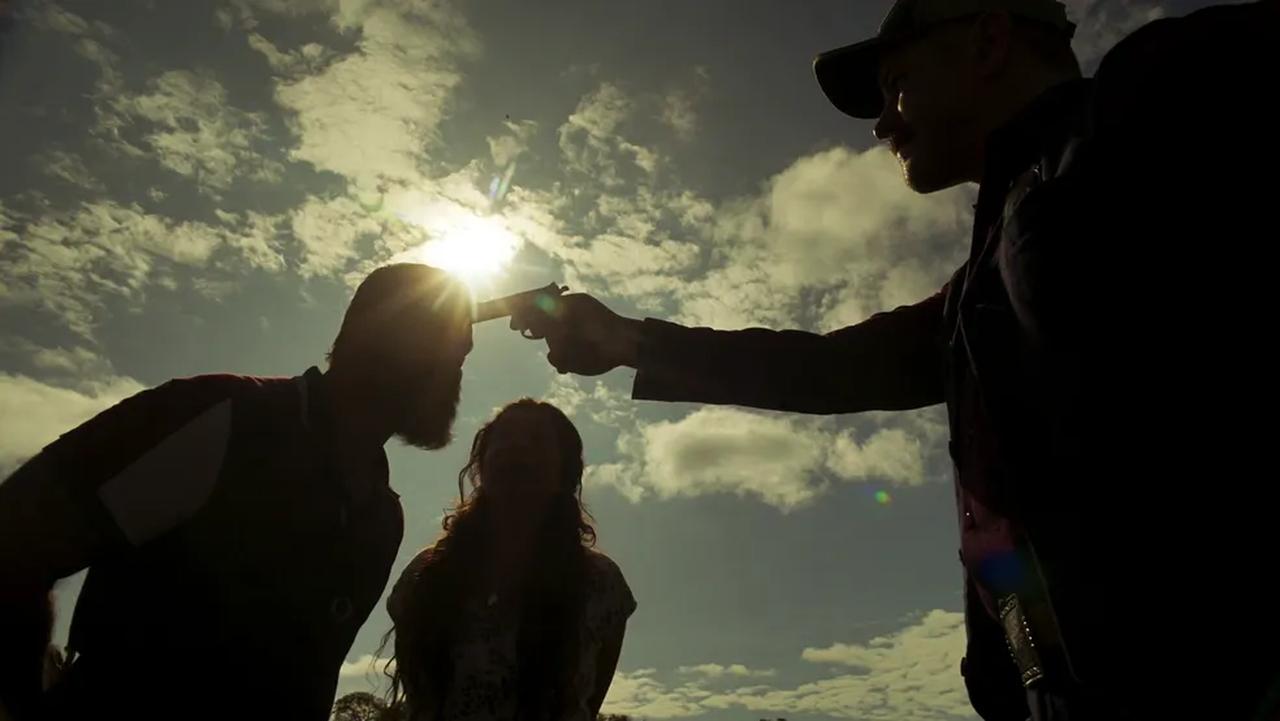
(429, 602)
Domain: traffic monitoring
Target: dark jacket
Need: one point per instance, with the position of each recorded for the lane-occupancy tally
(1100, 354)
(248, 608)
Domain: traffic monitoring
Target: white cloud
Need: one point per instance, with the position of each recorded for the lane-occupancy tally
(725, 450)
(190, 127)
(71, 263)
(508, 146)
(639, 694)
(827, 242)
(679, 115)
(591, 398)
(678, 111)
(89, 42)
(783, 460)
(839, 221)
(371, 115)
(309, 58)
(71, 364)
(367, 665)
(910, 675)
(329, 230)
(1103, 23)
(890, 453)
(591, 141)
(70, 168)
(33, 413)
(717, 671)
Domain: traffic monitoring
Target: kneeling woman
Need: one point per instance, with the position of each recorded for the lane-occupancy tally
(511, 614)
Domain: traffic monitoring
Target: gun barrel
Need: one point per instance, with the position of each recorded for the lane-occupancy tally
(509, 304)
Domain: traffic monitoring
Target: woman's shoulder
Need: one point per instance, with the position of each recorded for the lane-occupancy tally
(398, 599)
(608, 594)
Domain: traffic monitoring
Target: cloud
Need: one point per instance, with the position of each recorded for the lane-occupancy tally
(70, 365)
(724, 450)
(189, 126)
(678, 111)
(910, 675)
(716, 671)
(841, 223)
(70, 168)
(591, 142)
(33, 413)
(831, 239)
(591, 399)
(639, 694)
(89, 42)
(371, 115)
(329, 231)
(364, 666)
(783, 460)
(365, 673)
(71, 263)
(310, 58)
(182, 119)
(508, 146)
(1103, 23)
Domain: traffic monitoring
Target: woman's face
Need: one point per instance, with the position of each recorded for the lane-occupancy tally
(520, 470)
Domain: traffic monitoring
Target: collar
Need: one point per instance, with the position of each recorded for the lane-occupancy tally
(1039, 127)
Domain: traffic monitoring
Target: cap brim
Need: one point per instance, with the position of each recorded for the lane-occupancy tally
(850, 78)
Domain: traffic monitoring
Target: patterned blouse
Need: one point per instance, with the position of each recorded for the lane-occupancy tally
(483, 686)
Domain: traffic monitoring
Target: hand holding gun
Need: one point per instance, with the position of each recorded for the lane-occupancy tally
(531, 311)
(583, 336)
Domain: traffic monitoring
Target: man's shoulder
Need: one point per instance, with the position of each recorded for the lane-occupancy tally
(149, 415)
(1188, 46)
(221, 384)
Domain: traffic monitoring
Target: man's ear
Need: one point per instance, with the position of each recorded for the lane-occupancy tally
(991, 42)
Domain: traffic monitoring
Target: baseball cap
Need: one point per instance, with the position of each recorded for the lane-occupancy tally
(849, 75)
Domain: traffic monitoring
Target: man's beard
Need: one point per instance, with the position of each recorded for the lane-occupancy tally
(426, 419)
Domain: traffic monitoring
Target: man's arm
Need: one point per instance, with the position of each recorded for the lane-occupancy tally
(128, 475)
(891, 361)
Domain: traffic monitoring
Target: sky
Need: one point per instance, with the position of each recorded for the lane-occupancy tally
(197, 187)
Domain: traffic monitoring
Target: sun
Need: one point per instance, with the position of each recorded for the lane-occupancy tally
(473, 247)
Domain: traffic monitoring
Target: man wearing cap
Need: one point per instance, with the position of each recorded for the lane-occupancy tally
(1099, 352)
(237, 530)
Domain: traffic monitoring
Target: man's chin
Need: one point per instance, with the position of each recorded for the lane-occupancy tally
(432, 440)
(924, 178)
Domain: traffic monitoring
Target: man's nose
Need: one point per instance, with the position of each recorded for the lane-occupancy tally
(889, 123)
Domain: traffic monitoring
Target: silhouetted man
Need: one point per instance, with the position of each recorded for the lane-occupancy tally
(237, 530)
(1100, 352)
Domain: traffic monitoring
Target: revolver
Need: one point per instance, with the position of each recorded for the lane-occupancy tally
(544, 299)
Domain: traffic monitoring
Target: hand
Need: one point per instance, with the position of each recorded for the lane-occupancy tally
(583, 336)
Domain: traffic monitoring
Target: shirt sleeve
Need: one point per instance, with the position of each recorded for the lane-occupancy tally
(123, 478)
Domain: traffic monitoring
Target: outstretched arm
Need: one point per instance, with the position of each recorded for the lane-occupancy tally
(891, 361)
